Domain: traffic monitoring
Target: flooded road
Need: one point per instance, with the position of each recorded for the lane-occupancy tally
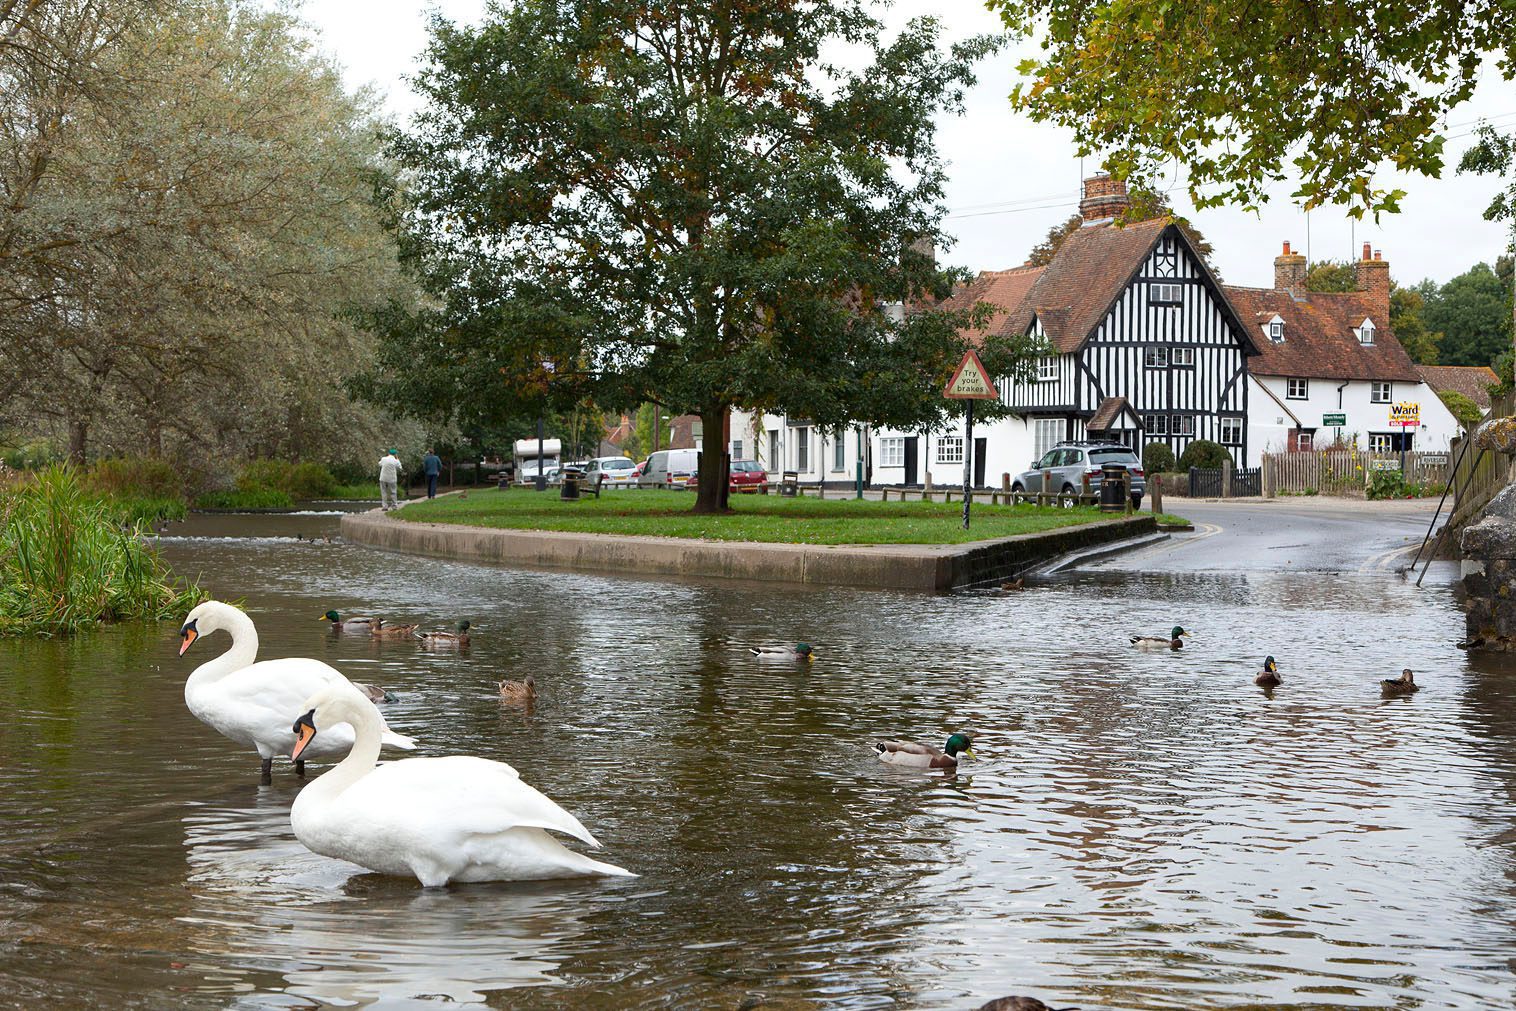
(1139, 831)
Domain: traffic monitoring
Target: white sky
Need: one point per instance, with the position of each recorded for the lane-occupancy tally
(1010, 180)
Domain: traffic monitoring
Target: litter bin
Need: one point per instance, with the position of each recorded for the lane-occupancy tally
(570, 489)
(1112, 488)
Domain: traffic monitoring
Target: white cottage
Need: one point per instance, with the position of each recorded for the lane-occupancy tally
(1330, 370)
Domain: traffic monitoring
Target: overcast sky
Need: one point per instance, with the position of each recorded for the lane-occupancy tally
(1010, 180)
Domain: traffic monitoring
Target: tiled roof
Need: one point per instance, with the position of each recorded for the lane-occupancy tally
(1319, 339)
(1106, 414)
(1088, 272)
(1473, 381)
(1004, 289)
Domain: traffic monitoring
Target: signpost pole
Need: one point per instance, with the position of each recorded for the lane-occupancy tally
(968, 457)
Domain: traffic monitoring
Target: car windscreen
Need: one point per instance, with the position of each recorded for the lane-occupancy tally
(745, 466)
(1125, 457)
(617, 465)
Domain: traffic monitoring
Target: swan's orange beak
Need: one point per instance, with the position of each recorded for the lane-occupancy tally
(305, 732)
(190, 635)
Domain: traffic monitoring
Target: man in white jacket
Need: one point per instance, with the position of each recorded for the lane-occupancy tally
(389, 480)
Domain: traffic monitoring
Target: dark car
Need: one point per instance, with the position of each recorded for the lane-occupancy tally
(1069, 463)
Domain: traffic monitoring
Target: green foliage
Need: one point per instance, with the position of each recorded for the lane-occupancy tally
(33, 455)
(1392, 484)
(1231, 88)
(137, 475)
(1461, 407)
(1146, 204)
(1494, 154)
(1407, 306)
(67, 563)
(716, 214)
(251, 498)
(139, 509)
(1331, 275)
(294, 480)
(1205, 454)
(1473, 313)
(1157, 458)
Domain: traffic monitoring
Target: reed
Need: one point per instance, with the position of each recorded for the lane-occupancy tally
(68, 563)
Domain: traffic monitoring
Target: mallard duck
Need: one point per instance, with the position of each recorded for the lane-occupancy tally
(375, 694)
(1175, 640)
(353, 624)
(1269, 676)
(519, 691)
(1405, 684)
(1019, 1004)
(924, 756)
(446, 639)
(800, 649)
(1014, 585)
(395, 631)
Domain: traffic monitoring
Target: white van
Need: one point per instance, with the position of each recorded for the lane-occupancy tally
(669, 468)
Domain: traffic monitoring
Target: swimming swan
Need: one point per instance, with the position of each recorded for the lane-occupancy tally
(440, 819)
(251, 702)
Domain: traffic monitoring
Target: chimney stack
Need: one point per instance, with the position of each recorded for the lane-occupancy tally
(1104, 198)
(1373, 280)
(1289, 273)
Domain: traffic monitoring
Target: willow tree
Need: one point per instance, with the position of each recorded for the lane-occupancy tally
(685, 203)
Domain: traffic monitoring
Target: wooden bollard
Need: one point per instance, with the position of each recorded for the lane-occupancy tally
(1155, 490)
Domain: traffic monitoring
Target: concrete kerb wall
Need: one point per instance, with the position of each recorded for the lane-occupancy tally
(929, 568)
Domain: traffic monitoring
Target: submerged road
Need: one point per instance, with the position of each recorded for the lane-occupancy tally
(1293, 534)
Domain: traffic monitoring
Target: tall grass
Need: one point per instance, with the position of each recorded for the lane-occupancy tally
(67, 563)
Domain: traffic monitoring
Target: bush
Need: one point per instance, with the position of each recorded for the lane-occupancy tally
(1157, 458)
(1462, 408)
(67, 562)
(29, 456)
(253, 498)
(295, 480)
(308, 480)
(1205, 454)
(355, 473)
(138, 476)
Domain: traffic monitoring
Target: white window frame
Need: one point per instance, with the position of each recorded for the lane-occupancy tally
(1366, 332)
(839, 453)
(1048, 432)
(1276, 331)
(892, 451)
(1156, 424)
(1047, 369)
(736, 449)
(1305, 442)
(802, 441)
(1381, 442)
(1231, 431)
(1182, 424)
(1387, 389)
(1155, 358)
(1182, 358)
(950, 449)
(1165, 293)
(1289, 389)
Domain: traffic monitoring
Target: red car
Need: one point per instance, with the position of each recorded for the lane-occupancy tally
(746, 476)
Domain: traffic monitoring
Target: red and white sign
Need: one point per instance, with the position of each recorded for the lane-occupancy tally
(971, 381)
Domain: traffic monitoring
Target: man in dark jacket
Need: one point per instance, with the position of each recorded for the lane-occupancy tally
(431, 466)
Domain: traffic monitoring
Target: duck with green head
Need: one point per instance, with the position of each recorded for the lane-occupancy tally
(1174, 640)
(446, 640)
(801, 650)
(1269, 676)
(924, 756)
(351, 624)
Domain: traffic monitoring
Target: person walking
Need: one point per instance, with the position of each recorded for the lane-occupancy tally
(389, 480)
(431, 466)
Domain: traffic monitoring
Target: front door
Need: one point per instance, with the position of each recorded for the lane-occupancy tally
(910, 460)
(979, 447)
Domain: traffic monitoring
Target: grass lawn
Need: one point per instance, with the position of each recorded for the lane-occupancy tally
(754, 517)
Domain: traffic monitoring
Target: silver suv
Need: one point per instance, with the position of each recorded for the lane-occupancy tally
(1068, 463)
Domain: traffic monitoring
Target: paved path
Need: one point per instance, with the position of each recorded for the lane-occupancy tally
(1289, 534)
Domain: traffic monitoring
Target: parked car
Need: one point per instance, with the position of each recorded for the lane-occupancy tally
(527, 472)
(669, 468)
(637, 471)
(618, 470)
(1069, 463)
(749, 475)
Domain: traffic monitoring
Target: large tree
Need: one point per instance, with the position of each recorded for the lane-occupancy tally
(691, 204)
(1473, 312)
(1146, 204)
(1234, 89)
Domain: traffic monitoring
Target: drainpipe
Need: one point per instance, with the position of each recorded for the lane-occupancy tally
(1338, 436)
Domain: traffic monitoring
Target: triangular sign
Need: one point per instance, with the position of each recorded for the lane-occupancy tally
(971, 381)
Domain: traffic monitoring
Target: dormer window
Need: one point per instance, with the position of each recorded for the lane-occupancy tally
(1275, 329)
(1366, 332)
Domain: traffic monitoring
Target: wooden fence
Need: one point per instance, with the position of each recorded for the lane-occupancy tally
(1346, 471)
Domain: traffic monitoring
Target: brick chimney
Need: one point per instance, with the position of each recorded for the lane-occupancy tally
(1104, 198)
(1289, 272)
(1373, 278)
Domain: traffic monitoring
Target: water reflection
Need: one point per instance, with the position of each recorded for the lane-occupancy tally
(1139, 830)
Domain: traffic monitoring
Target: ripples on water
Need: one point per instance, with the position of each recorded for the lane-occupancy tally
(1139, 831)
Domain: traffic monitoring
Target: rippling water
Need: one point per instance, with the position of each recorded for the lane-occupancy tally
(1139, 831)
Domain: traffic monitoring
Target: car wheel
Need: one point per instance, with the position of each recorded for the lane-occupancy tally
(1068, 499)
(1136, 501)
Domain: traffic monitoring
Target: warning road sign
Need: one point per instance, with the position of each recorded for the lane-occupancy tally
(971, 381)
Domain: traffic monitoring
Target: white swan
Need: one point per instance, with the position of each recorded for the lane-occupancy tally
(251, 702)
(439, 819)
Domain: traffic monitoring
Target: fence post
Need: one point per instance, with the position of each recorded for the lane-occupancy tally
(1192, 482)
(1157, 493)
(1005, 482)
(1266, 475)
(1226, 480)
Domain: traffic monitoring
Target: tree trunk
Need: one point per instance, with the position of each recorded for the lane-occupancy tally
(78, 439)
(709, 497)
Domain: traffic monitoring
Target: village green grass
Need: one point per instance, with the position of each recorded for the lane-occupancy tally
(767, 518)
